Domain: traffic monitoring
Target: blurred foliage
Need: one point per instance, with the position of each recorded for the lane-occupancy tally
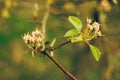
(16, 18)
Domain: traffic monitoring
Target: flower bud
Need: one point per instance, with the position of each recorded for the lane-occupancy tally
(89, 21)
(99, 33)
(96, 26)
(90, 27)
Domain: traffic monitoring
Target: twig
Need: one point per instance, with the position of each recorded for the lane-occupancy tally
(59, 65)
(63, 44)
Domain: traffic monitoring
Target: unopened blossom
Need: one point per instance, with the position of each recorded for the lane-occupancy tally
(27, 38)
(39, 39)
(89, 20)
(38, 32)
(33, 39)
(96, 26)
(99, 33)
(90, 27)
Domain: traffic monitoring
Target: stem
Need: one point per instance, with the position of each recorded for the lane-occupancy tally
(87, 42)
(59, 65)
(63, 44)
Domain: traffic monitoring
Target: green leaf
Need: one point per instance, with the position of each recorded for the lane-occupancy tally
(71, 33)
(76, 22)
(76, 39)
(95, 51)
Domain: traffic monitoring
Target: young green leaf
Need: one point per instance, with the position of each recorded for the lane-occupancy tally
(71, 33)
(76, 22)
(95, 51)
(76, 39)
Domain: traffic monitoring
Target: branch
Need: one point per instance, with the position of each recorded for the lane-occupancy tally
(61, 45)
(47, 53)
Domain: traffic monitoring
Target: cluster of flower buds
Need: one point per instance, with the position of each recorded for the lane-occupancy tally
(34, 40)
(92, 30)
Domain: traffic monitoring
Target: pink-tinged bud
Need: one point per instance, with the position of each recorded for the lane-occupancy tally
(39, 39)
(90, 27)
(96, 26)
(33, 39)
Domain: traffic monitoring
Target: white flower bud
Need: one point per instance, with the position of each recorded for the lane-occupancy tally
(96, 26)
(99, 33)
(89, 20)
(90, 27)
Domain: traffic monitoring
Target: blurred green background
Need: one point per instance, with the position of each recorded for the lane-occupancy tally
(17, 18)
